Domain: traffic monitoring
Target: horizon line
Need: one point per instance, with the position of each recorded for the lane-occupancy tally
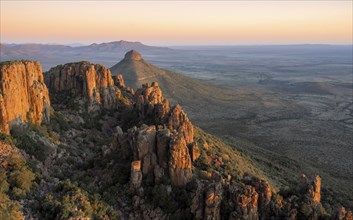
(180, 45)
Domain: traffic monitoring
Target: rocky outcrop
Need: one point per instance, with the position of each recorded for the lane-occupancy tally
(160, 153)
(165, 147)
(179, 121)
(119, 81)
(144, 147)
(23, 94)
(163, 139)
(262, 187)
(83, 79)
(3, 117)
(198, 201)
(136, 175)
(312, 189)
(213, 201)
(342, 214)
(246, 203)
(151, 104)
(194, 151)
(180, 172)
(315, 190)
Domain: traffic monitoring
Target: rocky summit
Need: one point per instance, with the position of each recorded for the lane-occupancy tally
(110, 152)
(133, 55)
(136, 70)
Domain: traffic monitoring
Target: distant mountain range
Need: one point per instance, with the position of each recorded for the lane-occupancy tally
(54, 54)
(114, 46)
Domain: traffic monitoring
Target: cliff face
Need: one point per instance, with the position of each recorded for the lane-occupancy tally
(151, 104)
(179, 161)
(91, 81)
(179, 122)
(23, 94)
(162, 149)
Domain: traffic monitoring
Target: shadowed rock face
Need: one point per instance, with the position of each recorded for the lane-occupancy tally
(151, 104)
(23, 94)
(213, 201)
(144, 147)
(91, 81)
(119, 81)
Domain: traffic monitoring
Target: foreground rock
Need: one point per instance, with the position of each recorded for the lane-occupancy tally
(156, 167)
(23, 94)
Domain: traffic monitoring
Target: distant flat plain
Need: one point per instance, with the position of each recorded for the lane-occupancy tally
(305, 109)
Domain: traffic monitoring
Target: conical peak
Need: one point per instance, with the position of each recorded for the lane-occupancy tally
(133, 55)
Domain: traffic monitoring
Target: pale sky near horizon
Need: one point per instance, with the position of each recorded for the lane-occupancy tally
(177, 22)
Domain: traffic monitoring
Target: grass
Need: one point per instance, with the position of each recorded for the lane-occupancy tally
(235, 162)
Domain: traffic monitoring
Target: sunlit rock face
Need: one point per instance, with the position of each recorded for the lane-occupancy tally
(179, 121)
(180, 172)
(94, 82)
(23, 94)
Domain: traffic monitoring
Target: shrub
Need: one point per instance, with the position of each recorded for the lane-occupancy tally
(22, 179)
(7, 139)
(68, 201)
(58, 123)
(160, 197)
(4, 185)
(16, 161)
(9, 210)
(28, 143)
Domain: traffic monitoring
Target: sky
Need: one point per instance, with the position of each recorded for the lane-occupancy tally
(177, 22)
